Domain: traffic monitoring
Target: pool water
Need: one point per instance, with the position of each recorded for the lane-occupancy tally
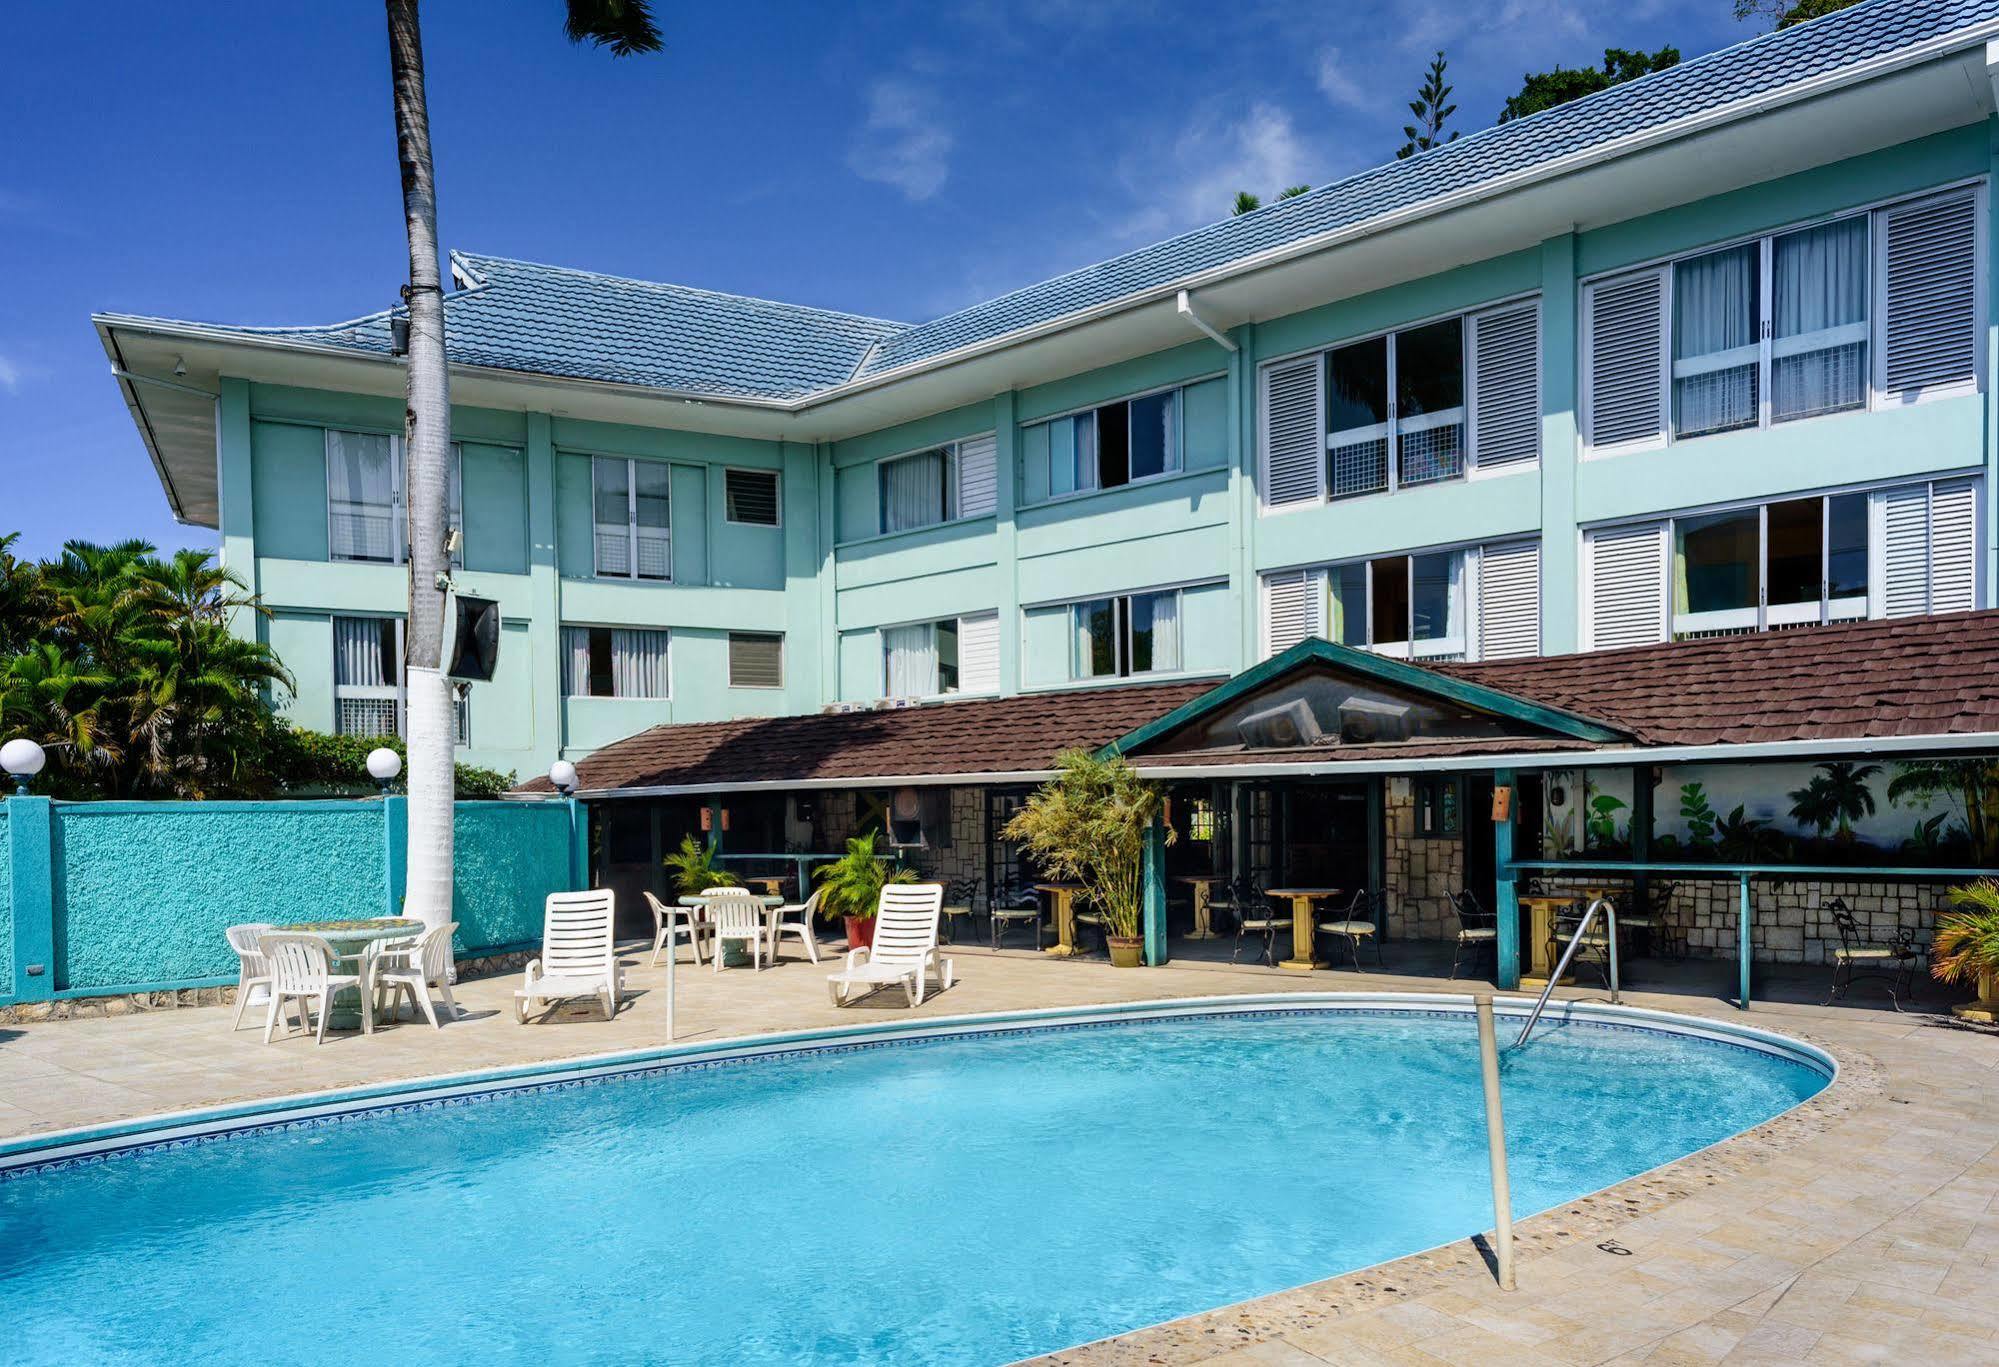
(968, 1200)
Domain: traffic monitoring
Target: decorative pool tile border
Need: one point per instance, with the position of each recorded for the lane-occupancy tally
(1231, 1328)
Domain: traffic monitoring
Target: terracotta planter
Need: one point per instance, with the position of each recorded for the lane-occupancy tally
(1127, 952)
(860, 932)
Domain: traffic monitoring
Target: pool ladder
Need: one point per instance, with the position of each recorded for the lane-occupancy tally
(1609, 910)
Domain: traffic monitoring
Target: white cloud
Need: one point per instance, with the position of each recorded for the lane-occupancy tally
(903, 142)
(10, 376)
(1214, 156)
(1335, 81)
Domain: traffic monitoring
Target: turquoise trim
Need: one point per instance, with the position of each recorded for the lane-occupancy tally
(31, 896)
(70, 994)
(1394, 673)
(1753, 870)
(1155, 893)
(395, 852)
(1505, 892)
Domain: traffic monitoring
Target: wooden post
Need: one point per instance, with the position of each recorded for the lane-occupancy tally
(1505, 895)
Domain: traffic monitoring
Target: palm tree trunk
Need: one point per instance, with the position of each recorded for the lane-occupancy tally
(427, 447)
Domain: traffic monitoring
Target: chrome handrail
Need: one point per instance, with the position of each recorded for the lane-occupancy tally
(1609, 909)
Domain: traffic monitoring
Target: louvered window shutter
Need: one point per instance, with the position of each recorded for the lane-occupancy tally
(1904, 574)
(1506, 386)
(1624, 349)
(1294, 431)
(1294, 607)
(978, 653)
(1627, 587)
(1929, 295)
(978, 481)
(1954, 547)
(1509, 600)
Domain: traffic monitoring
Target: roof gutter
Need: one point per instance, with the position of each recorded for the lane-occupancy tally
(1185, 305)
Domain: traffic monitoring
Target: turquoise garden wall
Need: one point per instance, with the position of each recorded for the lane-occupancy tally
(136, 895)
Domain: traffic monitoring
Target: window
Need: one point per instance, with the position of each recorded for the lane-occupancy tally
(1136, 633)
(368, 696)
(920, 660)
(1439, 804)
(1417, 406)
(1881, 306)
(756, 659)
(633, 515)
(750, 497)
(1795, 563)
(916, 491)
(365, 519)
(1421, 606)
(614, 662)
(1116, 444)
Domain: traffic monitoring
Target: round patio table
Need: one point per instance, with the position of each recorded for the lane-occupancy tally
(736, 957)
(1204, 902)
(1065, 916)
(350, 940)
(1302, 960)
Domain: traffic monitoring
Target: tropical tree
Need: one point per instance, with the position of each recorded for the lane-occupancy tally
(1247, 203)
(1836, 797)
(693, 867)
(1545, 89)
(1969, 788)
(626, 28)
(1431, 112)
(1784, 13)
(1965, 947)
(851, 886)
(1088, 823)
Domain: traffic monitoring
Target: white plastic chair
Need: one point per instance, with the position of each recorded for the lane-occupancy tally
(253, 970)
(736, 916)
(672, 924)
(579, 956)
(302, 971)
(803, 912)
(905, 948)
(413, 969)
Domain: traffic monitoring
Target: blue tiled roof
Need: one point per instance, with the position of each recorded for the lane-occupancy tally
(1691, 88)
(577, 324)
(548, 320)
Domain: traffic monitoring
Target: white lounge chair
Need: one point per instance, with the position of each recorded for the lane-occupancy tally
(670, 925)
(579, 956)
(905, 947)
(412, 969)
(253, 970)
(735, 916)
(797, 917)
(302, 971)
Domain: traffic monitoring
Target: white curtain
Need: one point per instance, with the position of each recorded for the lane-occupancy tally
(909, 661)
(361, 496)
(638, 664)
(1818, 302)
(1715, 346)
(912, 491)
(357, 653)
(1166, 631)
(1086, 450)
(576, 662)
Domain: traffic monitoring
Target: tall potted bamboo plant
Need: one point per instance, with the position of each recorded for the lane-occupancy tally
(851, 887)
(1966, 946)
(1088, 823)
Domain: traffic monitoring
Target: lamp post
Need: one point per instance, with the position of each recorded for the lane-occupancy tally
(23, 759)
(563, 775)
(383, 766)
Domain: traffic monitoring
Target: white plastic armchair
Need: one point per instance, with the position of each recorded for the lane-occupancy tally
(413, 969)
(253, 970)
(735, 915)
(797, 918)
(670, 925)
(579, 955)
(301, 971)
(905, 947)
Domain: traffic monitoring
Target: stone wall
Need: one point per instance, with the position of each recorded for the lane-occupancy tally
(1421, 871)
(964, 857)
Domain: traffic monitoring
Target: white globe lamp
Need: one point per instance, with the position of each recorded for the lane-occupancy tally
(383, 766)
(23, 759)
(563, 775)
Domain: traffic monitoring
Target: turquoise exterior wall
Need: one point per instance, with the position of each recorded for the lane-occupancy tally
(136, 896)
(830, 582)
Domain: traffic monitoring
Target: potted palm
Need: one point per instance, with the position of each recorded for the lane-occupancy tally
(851, 887)
(1966, 947)
(1088, 823)
(693, 866)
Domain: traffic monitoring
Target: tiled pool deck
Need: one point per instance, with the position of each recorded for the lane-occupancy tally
(1862, 1227)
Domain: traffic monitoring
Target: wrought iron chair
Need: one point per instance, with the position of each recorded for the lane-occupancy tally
(1478, 931)
(1360, 921)
(1254, 915)
(1669, 938)
(1857, 956)
(1593, 947)
(961, 899)
(1013, 905)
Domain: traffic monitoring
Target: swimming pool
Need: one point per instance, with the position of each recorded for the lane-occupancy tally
(911, 1196)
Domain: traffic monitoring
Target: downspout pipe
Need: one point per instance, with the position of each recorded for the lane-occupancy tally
(1186, 309)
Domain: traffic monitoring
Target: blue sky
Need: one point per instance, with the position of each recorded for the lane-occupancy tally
(236, 162)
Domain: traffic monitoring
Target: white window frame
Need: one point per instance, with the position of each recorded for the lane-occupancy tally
(930, 624)
(777, 495)
(1767, 348)
(631, 575)
(1409, 648)
(1121, 627)
(672, 656)
(729, 643)
(949, 451)
(1177, 457)
(397, 692)
(454, 518)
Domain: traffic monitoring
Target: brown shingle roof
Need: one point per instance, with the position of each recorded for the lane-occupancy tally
(1912, 676)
